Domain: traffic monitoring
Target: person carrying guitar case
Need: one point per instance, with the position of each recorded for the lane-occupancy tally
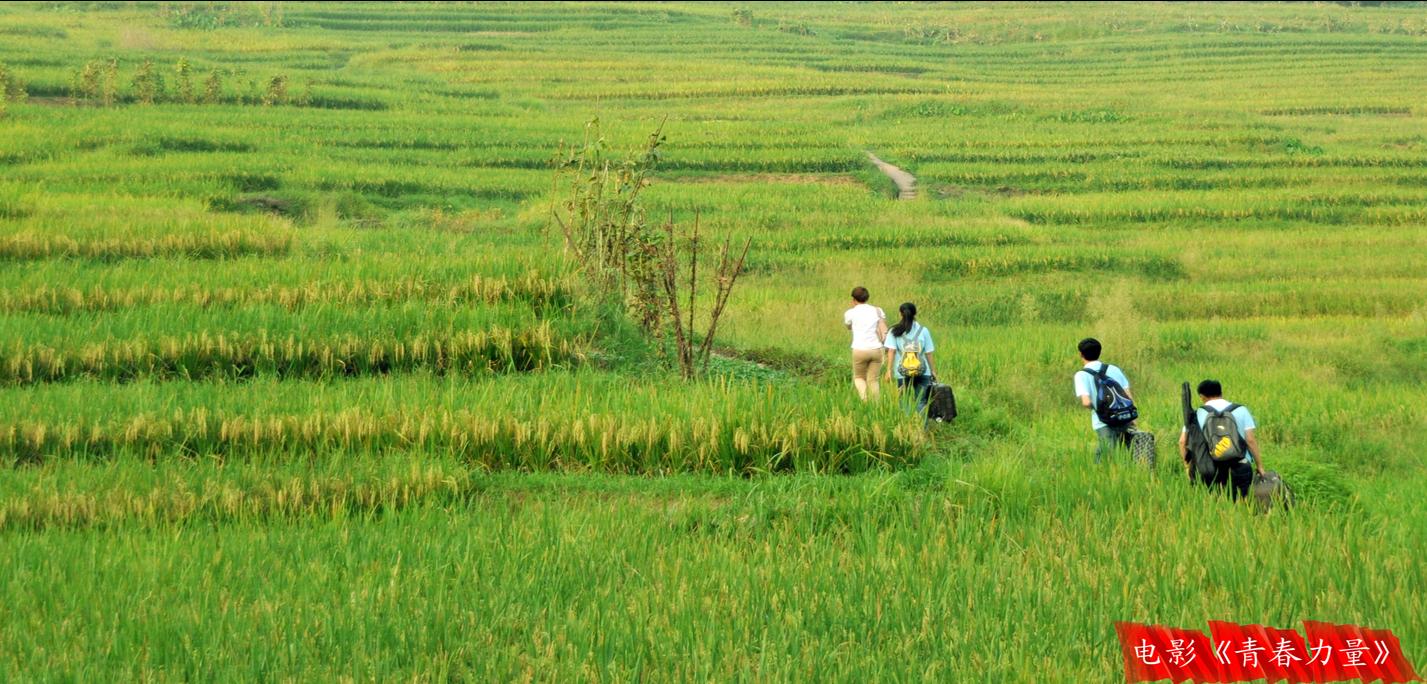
(1218, 443)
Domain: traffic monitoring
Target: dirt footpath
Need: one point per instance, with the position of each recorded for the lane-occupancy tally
(906, 182)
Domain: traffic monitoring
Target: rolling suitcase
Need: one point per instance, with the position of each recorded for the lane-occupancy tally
(941, 404)
(1270, 490)
(1142, 448)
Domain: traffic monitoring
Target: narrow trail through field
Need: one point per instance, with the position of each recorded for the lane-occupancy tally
(906, 182)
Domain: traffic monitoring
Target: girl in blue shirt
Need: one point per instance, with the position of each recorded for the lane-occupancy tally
(909, 331)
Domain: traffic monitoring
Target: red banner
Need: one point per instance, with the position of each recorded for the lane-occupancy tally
(1239, 655)
(1249, 652)
(1340, 652)
(1154, 653)
(1244, 653)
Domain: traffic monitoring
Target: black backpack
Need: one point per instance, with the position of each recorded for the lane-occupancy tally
(1113, 405)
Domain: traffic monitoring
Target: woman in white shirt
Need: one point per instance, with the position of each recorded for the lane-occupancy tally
(869, 328)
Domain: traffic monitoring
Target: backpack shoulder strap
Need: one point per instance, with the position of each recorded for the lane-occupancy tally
(1093, 373)
(1213, 412)
(1231, 408)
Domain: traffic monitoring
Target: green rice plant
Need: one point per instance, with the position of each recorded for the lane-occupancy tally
(82, 495)
(1155, 267)
(213, 245)
(812, 555)
(73, 227)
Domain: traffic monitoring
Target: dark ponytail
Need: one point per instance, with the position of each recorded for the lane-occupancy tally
(909, 316)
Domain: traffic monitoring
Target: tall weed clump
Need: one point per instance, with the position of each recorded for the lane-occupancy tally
(12, 89)
(604, 224)
(627, 257)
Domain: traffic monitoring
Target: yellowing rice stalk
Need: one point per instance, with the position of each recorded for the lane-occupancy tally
(531, 287)
(237, 355)
(485, 439)
(211, 245)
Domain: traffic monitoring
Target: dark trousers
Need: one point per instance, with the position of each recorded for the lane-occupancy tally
(1109, 439)
(921, 388)
(1236, 475)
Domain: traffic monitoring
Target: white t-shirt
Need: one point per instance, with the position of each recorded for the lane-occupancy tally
(863, 320)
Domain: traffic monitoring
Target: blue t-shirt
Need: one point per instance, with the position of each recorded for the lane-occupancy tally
(918, 334)
(1085, 387)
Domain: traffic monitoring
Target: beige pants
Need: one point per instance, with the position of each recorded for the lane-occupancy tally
(866, 367)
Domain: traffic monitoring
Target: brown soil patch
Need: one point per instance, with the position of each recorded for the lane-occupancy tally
(58, 102)
(955, 191)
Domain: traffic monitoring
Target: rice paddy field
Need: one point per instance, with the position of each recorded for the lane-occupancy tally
(297, 383)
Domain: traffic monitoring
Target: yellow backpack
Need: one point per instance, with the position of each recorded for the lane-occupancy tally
(911, 365)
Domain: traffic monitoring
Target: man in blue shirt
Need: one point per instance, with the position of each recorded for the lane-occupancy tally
(1107, 436)
(1241, 473)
